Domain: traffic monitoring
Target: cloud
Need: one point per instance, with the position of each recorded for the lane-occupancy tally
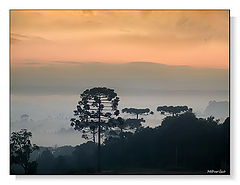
(198, 38)
(67, 62)
(197, 23)
(32, 63)
(29, 38)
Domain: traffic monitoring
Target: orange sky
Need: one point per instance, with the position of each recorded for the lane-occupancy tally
(195, 38)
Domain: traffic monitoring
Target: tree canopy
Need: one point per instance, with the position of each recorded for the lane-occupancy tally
(20, 150)
(137, 112)
(173, 110)
(202, 143)
(123, 127)
(96, 107)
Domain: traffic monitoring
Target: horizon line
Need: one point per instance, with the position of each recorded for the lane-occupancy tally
(67, 62)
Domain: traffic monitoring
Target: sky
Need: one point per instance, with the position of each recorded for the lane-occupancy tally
(193, 38)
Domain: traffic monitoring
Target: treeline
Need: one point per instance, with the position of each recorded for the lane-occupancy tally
(183, 144)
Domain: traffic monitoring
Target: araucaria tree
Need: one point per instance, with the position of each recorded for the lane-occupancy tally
(20, 150)
(96, 107)
(173, 110)
(122, 125)
(137, 112)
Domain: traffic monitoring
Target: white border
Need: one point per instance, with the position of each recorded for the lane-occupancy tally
(120, 4)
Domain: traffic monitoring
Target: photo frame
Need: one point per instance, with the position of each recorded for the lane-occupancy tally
(119, 92)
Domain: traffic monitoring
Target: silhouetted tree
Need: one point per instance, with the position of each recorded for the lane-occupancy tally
(137, 112)
(121, 125)
(96, 107)
(226, 142)
(183, 144)
(173, 110)
(20, 150)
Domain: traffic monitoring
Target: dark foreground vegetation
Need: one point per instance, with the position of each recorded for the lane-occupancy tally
(183, 144)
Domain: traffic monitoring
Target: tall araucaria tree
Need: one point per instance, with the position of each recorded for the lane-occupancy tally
(173, 110)
(96, 107)
(137, 112)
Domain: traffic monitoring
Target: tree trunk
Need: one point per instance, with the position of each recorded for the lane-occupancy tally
(25, 169)
(176, 156)
(121, 133)
(137, 116)
(94, 136)
(99, 139)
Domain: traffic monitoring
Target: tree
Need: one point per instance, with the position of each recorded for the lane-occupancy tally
(20, 150)
(122, 125)
(173, 110)
(96, 107)
(137, 112)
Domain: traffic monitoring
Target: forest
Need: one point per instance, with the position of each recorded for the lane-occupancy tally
(181, 144)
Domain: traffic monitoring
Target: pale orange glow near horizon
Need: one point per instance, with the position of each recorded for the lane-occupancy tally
(194, 38)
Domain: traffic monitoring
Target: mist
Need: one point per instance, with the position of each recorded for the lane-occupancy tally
(49, 93)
